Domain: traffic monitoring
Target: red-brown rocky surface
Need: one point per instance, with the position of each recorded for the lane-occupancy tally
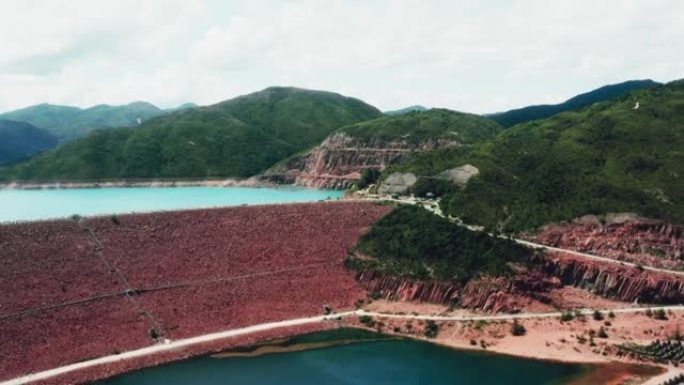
(485, 294)
(540, 284)
(616, 281)
(340, 159)
(62, 336)
(636, 240)
(191, 272)
(47, 263)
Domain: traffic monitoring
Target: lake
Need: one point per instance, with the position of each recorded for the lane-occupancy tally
(391, 362)
(23, 205)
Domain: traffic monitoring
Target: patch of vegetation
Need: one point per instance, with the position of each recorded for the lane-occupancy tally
(598, 316)
(660, 315)
(567, 316)
(431, 329)
(367, 320)
(517, 329)
(435, 187)
(657, 351)
(412, 242)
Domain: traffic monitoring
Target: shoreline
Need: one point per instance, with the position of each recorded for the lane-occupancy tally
(262, 339)
(227, 182)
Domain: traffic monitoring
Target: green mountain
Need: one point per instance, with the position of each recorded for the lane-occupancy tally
(406, 110)
(417, 126)
(609, 157)
(609, 92)
(19, 141)
(236, 138)
(69, 123)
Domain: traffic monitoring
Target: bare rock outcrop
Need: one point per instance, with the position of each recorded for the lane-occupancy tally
(539, 283)
(460, 175)
(397, 183)
(486, 294)
(621, 237)
(340, 159)
(615, 281)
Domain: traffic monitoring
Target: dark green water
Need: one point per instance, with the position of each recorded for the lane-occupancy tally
(395, 362)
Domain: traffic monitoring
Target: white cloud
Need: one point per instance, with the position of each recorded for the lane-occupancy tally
(463, 55)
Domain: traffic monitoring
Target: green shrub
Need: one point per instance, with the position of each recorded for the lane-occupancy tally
(431, 329)
(518, 329)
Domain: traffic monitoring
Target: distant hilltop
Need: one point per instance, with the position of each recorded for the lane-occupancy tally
(70, 123)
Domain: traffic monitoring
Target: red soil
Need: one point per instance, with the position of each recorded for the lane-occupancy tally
(247, 265)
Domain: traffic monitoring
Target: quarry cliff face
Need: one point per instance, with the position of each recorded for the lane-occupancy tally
(620, 237)
(340, 159)
(540, 284)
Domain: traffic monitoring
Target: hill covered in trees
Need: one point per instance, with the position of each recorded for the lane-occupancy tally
(605, 93)
(608, 157)
(406, 110)
(418, 126)
(236, 138)
(70, 123)
(19, 140)
(412, 242)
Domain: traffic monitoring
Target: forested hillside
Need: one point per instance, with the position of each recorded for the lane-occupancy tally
(236, 138)
(609, 157)
(19, 141)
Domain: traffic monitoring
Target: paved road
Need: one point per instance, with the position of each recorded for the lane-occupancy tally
(503, 317)
(174, 345)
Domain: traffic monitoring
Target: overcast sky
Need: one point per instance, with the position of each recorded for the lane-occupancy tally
(476, 56)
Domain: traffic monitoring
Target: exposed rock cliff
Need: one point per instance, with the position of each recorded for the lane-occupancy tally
(486, 294)
(339, 161)
(615, 281)
(552, 272)
(622, 237)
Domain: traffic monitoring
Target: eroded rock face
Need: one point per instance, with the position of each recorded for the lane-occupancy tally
(460, 175)
(485, 294)
(552, 272)
(339, 161)
(621, 237)
(397, 183)
(614, 281)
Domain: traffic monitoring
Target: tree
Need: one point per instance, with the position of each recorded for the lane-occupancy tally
(431, 329)
(598, 316)
(660, 315)
(517, 329)
(368, 177)
(602, 333)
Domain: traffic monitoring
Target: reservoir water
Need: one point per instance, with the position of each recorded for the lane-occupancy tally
(395, 362)
(23, 205)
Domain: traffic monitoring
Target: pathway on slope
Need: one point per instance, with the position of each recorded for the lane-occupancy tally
(178, 344)
(434, 208)
(129, 293)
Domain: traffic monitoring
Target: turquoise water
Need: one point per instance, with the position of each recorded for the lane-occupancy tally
(22, 205)
(395, 362)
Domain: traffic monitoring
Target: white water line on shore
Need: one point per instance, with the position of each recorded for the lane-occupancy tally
(174, 345)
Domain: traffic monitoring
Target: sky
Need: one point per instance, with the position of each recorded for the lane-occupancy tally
(476, 56)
